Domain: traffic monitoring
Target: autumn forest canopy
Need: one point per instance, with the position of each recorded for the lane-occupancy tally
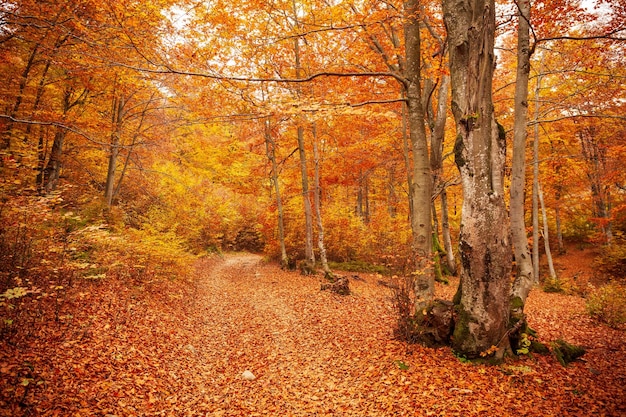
(415, 140)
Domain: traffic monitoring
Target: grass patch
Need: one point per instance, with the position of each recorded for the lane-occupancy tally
(358, 266)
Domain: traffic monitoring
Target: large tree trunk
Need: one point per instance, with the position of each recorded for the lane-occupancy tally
(407, 158)
(485, 247)
(421, 187)
(524, 274)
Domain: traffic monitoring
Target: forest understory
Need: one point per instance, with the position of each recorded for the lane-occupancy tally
(180, 348)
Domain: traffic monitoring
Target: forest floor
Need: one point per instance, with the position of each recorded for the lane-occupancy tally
(179, 348)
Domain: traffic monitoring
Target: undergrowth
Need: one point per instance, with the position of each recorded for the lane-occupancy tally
(608, 304)
(46, 250)
(612, 260)
(358, 266)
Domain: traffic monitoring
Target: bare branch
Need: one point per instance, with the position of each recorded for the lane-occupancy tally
(365, 103)
(168, 70)
(608, 35)
(574, 116)
(56, 124)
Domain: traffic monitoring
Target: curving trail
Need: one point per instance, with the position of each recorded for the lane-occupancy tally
(308, 349)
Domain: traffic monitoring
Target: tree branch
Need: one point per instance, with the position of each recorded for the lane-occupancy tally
(573, 116)
(56, 124)
(168, 70)
(608, 35)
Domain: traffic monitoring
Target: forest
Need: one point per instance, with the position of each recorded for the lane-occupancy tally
(312, 207)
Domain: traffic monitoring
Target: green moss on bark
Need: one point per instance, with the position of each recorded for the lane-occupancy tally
(461, 337)
(566, 353)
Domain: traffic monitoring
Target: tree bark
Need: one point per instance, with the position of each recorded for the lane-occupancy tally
(407, 159)
(485, 247)
(270, 148)
(536, 182)
(421, 187)
(117, 120)
(546, 235)
(595, 158)
(48, 178)
(445, 232)
(524, 273)
(438, 124)
(318, 206)
(308, 215)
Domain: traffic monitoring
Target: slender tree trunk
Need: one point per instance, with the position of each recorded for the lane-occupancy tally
(445, 232)
(118, 186)
(117, 120)
(595, 159)
(38, 97)
(485, 246)
(306, 196)
(366, 199)
(438, 124)
(133, 143)
(270, 148)
(524, 274)
(392, 197)
(41, 146)
(318, 208)
(8, 133)
(557, 219)
(435, 219)
(536, 183)
(546, 235)
(421, 190)
(48, 178)
(359, 197)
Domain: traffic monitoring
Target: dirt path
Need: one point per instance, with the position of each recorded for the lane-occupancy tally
(314, 353)
(301, 354)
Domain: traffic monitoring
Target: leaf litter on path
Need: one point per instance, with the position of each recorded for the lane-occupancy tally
(184, 348)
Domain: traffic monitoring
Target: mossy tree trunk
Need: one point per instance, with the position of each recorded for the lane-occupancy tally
(485, 246)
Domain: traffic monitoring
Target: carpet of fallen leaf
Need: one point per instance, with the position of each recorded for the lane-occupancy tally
(179, 348)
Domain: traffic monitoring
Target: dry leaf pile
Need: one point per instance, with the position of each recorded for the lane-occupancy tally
(181, 349)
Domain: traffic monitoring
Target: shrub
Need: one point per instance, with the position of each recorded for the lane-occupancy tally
(608, 304)
(612, 261)
(555, 284)
(406, 327)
